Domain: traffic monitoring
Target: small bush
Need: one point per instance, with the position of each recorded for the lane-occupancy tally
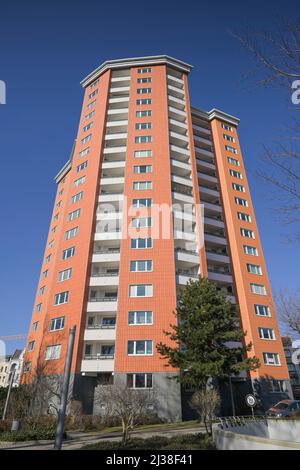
(33, 435)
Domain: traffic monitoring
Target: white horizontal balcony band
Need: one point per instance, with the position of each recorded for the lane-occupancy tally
(176, 149)
(205, 177)
(99, 334)
(112, 180)
(184, 215)
(180, 124)
(123, 99)
(214, 239)
(219, 277)
(105, 257)
(208, 191)
(172, 99)
(182, 197)
(177, 111)
(213, 222)
(231, 299)
(175, 135)
(109, 150)
(108, 236)
(109, 215)
(180, 165)
(120, 79)
(217, 257)
(199, 151)
(110, 197)
(201, 129)
(175, 79)
(175, 90)
(204, 164)
(212, 207)
(202, 140)
(119, 89)
(186, 257)
(112, 164)
(94, 307)
(183, 279)
(120, 135)
(112, 112)
(117, 123)
(189, 236)
(95, 365)
(180, 180)
(99, 281)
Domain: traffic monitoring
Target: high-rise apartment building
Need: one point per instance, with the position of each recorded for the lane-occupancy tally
(113, 266)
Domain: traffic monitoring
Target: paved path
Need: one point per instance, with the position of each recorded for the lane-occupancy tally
(80, 439)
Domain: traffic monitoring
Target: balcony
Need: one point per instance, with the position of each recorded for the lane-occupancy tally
(210, 208)
(183, 277)
(180, 168)
(202, 152)
(114, 197)
(202, 140)
(116, 126)
(188, 236)
(201, 129)
(102, 303)
(117, 103)
(187, 256)
(178, 140)
(219, 276)
(212, 193)
(176, 103)
(216, 240)
(100, 333)
(115, 234)
(178, 82)
(175, 91)
(176, 114)
(104, 279)
(183, 181)
(217, 257)
(207, 167)
(119, 90)
(182, 196)
(213, 222)
(97, 364)
(114, 153)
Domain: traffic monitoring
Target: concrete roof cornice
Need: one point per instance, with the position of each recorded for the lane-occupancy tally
(135, 62)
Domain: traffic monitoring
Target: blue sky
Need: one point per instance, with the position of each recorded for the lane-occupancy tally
(48, 47)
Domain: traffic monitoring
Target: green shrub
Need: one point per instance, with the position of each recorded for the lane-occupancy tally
(33, 435)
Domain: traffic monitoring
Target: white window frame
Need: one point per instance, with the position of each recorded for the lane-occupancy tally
(135, 315)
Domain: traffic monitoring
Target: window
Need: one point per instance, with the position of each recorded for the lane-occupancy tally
(144, 101)
(144, 80)
(61, 298)
(74, 215)
(79, 181)
(141, 202)
(241, 202)
(140, 348)
(143, 153)
(262, 310)
(243, 216)
(145, 113)
(48, 258)
(56, 216)
(141, 290)
(141, 222)
(68, 253)
(42, 290)
(77, 197)
(139, 380)
(27, 367)
(58, 204)
(88, 126)
(143, 125)
(142, 169)
(140, 266)
(271, 359)
(94, 93)
(238, 187)
(34, 326)
(142, 185)
(71, 233)
(266, 333)
(145, 70)
(52, 352)
(229, 138)
(53, 230)
(247, 233)
(233, 161)
(143, 139)
(143, 91)
(57, 324)
(140, 243)
(250, 250)
(231, 149)
(45, 273)
(258, 289)
(236, 174)
(84, 152)
(30, 346)
(61, 192)
(89, 115)
(82, 166)
(94, 84)
(50, 244)
(38, 308)
(226, 127)
(91, 104)
(64, 275)
(140, 317)
(86, 139)
(276, 386)
(254, 269)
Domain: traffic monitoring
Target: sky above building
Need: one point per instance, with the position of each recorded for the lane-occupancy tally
(48, 47)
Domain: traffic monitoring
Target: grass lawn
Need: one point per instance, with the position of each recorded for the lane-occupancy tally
(184, 442)
(162, 426)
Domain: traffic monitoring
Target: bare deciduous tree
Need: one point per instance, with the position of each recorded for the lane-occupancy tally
(277, 55)
(127, 404)
(288, 306)
(206, 403)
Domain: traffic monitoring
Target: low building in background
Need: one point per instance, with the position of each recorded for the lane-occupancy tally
(293, 366)
(8, 364)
